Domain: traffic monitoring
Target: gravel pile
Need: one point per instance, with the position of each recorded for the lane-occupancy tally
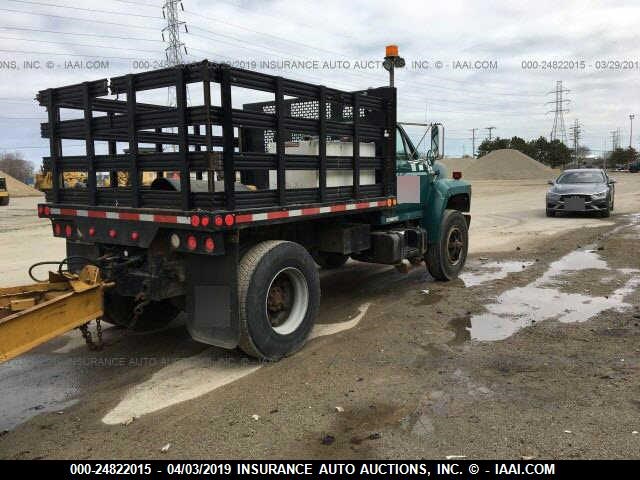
(505, 164)
(18, 189)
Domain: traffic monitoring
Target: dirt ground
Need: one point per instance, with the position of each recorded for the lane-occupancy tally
(534, 352)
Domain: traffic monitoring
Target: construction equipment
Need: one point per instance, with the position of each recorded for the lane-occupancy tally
(230, 227)
(4, 194)
(33, 314)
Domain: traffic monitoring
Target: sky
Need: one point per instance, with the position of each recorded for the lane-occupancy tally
(469, 64)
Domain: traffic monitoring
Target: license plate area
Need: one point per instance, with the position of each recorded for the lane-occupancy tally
(574, 203)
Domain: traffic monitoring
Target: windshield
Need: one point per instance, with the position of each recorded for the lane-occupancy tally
(581, 177)
(3, 184)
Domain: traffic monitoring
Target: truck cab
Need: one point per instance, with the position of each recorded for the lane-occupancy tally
(428, 197)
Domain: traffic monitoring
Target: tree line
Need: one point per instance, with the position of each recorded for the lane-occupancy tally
(12, 163)
(555, 153)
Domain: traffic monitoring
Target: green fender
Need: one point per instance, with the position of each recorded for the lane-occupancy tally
(437, 198)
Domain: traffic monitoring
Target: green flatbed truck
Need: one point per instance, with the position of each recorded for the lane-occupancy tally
(247, 197)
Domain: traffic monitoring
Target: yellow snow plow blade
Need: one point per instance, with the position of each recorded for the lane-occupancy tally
(31, 315)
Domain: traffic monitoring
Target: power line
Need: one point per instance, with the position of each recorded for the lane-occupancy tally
(92, 10)
(315, 48)
(78, 44)
(30, 52)
(80, 34)
(79, 19)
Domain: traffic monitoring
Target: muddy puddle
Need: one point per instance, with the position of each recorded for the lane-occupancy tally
(480, 272)
(543, 299)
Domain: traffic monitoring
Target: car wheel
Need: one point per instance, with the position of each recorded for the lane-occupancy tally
(551, 213)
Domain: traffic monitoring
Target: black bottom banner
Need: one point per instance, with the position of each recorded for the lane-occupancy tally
(440, 469)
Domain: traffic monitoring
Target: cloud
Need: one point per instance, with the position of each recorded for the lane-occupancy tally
(511, 97)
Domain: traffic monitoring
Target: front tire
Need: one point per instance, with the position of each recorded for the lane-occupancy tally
(550, 213)
(446, 258)
(278, 296)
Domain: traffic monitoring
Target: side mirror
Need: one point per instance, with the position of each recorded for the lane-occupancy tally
(550, 182)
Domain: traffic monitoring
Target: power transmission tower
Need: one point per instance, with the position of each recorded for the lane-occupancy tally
(614, 139)
(558, 131)
(473, 142)
(575, 135)
(489, 128)
(171, 35)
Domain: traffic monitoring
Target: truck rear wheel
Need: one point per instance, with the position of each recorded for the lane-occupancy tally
(4, 201)
(278, 297)
(119, 310)
(446, 258)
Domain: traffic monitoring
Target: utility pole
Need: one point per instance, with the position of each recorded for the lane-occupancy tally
(489, 128)
(576, 140)
(614, 142)
(558, 131)
(631, 117)
(473, 142)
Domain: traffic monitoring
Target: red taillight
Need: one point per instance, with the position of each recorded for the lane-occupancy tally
(457, 175)
(209, 245)
(229, 219)
(92, 231)
(68, 231)
(47, 211)
(218, 220)
(113, 233)
(204, 221)
(40, 210)
(57, 229)
(192, 243)
(135, 236)
(195, 220)
(389, 202)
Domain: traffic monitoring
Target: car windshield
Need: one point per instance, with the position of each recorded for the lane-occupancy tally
(581, 177)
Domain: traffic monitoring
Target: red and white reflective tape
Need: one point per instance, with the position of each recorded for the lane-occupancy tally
(239, 218)
(259, 217)
(136, 217)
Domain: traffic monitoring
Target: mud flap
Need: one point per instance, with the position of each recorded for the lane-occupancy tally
(212, 298)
